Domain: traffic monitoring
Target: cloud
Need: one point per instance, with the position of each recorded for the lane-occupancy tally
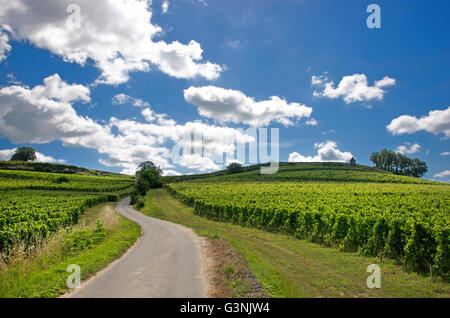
(326, 151)
(6, 154)
(171, 173)
(121, 99)
(43, 158)
(165, 6)
(234, 44)
(4, 46)
(226, 105)
(437, 121)
(312, 122)
(45, 113)
(117, 35)
(445, 153)
(41, 114)
(161, 119)
(408, 148)
(353, 88)
(443, 174)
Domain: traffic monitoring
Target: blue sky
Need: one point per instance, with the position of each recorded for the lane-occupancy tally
(250, 51)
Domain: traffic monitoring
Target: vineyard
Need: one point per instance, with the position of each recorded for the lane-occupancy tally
(35, 204)
(314, 172)
(16, 180)
(405, 222)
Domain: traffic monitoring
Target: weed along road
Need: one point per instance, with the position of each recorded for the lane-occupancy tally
(165, 262)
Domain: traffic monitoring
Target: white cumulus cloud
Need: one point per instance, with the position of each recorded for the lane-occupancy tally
(436, 122)
(121, 99)
(408, 148)
(443, 174)
(4, 46)
(326, 151)
(227, 105)
(45, 113)
(165, 6)
(352, 88)
(6, 154)
(117, 35)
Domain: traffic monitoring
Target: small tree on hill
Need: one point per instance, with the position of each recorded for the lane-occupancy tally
(24, 154)
(148, 177)
(235, 167)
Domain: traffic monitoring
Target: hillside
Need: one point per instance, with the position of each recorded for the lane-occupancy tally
(357, 209)
(52, 168)
(299, 172)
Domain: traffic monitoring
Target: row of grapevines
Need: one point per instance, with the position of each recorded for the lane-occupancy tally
(29, 215)
(318, 173)
(14, 180)
(409, 223)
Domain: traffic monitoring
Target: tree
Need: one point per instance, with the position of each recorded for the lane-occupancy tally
(235, 167)
(418, 168)
(376, 159)
(403, 162)
(148, 177)
(24, 154)
(398, 163)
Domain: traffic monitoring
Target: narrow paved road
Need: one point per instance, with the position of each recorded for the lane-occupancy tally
(165, 262)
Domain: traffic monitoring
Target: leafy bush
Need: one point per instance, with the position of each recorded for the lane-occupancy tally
(83, 239)
(62, 179)
(77, 241)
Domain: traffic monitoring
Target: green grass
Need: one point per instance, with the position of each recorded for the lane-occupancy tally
(304, 171)
(288, 267)
(45, 275)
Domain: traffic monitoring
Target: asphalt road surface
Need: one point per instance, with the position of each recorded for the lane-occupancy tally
(165, 262)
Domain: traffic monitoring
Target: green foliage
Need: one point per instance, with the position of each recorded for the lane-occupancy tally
(148, 177)
(31, 215)
(77, 241)
(398, 163)
(442, 258)
(62, 179)
(140, 203)
(17, 180)
(56, 168)
(24, 154)
(27, 216)
(99, 233)
(80, 240)
(235, 167)
(421, 248)
(405, 222)
(300, 172)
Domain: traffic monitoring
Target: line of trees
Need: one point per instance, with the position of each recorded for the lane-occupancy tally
(398, 163)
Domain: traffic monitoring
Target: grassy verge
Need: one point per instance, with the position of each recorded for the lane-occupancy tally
(43, 272)
(288, 267)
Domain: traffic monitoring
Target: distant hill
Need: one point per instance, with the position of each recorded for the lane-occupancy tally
(53, 168)
(315, 171)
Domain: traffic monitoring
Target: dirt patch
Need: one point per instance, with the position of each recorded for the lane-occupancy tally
(228, 272)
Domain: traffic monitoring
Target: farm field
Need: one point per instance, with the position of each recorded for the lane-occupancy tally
(288, 267)
(14, 180)
(31, 209)
(407, 221)
(43, 228)
(298, 172)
